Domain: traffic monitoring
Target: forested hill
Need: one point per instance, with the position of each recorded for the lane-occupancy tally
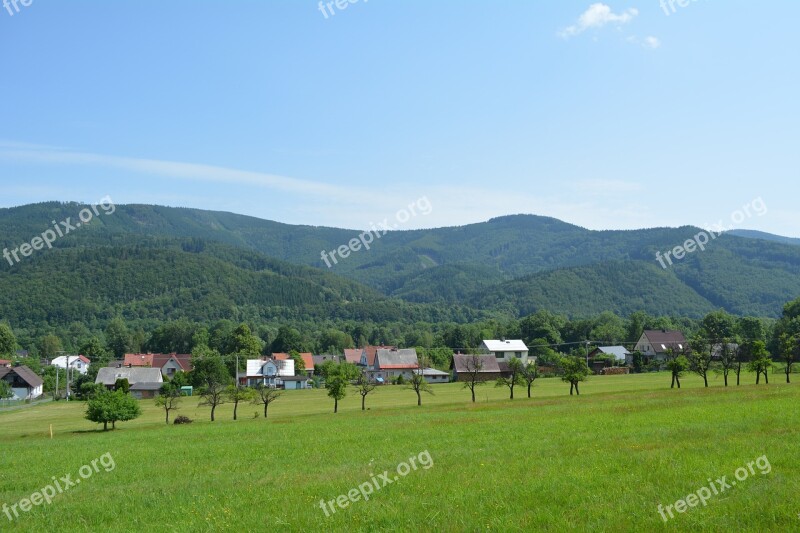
(515, 264)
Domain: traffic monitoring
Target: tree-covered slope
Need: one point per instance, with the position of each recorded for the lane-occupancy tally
(461, 265)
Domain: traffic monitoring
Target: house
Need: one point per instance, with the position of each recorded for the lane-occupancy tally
(353, 355)
(658, 344)
(368, 355)
(144, 382)
(464, 365)
(504, 350)
(4, 363)
(432, 375)
(172, 363)
(77, 363)
(392, 363)
(168, 363)
(308, 361)
(267, 372)
(619, 353)
(25, 384)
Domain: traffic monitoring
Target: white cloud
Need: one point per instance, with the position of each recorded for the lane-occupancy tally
(597, 16)
(652, 42)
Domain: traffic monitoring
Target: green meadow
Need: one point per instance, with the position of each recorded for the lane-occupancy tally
(601, 461)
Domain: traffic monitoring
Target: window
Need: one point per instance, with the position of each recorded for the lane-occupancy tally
(499, 355)
(518, 355)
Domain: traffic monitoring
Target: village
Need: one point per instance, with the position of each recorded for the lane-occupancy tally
(145, 373)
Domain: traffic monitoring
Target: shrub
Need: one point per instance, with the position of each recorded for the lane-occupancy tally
(182, 420)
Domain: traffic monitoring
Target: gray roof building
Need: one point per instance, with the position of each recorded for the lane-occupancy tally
(108, 376)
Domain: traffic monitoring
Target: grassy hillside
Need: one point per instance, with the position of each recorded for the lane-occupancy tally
(602, 461)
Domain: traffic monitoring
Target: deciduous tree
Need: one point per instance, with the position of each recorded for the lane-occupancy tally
(513, 378)
(474, 365)
(364, 388)
(169, 397)
(575, 371)
(265, 395)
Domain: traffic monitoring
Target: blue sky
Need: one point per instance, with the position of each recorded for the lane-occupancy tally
(610, 115)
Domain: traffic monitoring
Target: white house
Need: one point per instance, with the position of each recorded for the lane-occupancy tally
(267, 372)
(77, 363)
(25, 384)
(505, 350)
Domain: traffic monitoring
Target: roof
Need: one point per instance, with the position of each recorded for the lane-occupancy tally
(371, 351)
(25, 374)
(108, 375)
(353, 355)
(619, 352)
(308, 359)
(319, 359)
(184, 360)
(395, 359)
(662, 339)
(462, 363)
(138, 359)
(434, 372)
(146, 385)
(4, 362)
(505, 345)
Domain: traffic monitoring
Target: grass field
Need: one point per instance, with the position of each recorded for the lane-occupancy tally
(601, 461)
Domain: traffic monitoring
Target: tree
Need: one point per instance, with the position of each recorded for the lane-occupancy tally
(118, 338)
(208, 368)
(299, 363)
(50, 346)
(790, 350)
(418, 383)
(700, 359)
(728, 357)
(473, 365)
(677, 364)
(575, 371)
(514, 377)
(211, 376)
(364, 387)
(122, 384)
(6, 391)
(336, 383)
(529, 374)
(112, 406)
(169, 396)
(761, 361)
(236, 394)
(288, 339)
(265, 395)
(96, 352)
(243, 341)
(8, 342)
(213, 395)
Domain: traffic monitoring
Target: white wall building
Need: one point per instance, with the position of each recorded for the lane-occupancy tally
(77, 363)
(505, 350)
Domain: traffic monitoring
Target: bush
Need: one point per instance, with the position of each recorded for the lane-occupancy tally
(182, 420)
